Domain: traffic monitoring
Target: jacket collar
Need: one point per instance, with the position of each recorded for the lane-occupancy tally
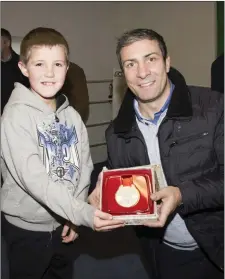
(180, 106)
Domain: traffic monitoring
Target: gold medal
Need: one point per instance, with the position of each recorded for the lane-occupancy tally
(127, 196)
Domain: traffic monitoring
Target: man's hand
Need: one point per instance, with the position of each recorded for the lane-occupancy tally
(72, 233)
(104, 222)
(170, 198)
(94, 197)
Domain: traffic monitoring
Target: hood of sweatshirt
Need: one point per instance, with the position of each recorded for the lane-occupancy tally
(22, 95)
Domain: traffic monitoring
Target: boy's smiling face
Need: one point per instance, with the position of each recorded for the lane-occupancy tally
(46, 70)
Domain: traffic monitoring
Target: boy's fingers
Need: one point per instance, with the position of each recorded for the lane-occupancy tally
(93, 198)
(100, 224)
(70, 238)
(103, 215)
(65, 230)
(108, 228)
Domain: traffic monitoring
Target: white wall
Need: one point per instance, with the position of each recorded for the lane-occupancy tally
(88, 27)
(189, 29)
(91, 28)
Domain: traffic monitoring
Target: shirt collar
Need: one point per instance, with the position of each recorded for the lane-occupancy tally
(157, 114)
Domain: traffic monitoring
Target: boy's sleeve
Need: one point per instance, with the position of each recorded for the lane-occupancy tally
(21, 155)
(86, 166)
(3, 170)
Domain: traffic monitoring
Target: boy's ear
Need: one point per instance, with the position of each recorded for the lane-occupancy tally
(68, 66)
(23, 68)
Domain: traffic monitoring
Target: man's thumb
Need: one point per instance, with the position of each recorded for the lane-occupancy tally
(156, 196)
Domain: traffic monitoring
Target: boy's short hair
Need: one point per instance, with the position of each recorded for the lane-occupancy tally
(42, 36)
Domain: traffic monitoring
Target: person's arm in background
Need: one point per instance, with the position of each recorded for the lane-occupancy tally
(217, 74)
(25, 81)
(76, 90)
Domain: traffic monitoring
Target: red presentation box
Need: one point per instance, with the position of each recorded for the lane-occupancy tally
(125, 193)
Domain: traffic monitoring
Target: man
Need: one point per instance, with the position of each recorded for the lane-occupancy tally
(164, 121)
(217, 74)
(10, 72)
(75, 88)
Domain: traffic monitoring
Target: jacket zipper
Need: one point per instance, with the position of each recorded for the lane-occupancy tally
(182, 141)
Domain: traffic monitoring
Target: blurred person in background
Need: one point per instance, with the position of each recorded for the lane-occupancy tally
(75, 88)
(217, 74)
(10, 72)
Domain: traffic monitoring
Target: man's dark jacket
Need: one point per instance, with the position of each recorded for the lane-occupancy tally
(192, 155)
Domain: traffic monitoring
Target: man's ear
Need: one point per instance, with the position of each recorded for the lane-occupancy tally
(23, 68)
(168, 64)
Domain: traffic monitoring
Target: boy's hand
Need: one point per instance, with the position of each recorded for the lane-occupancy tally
(94, 197)
(103, 222)
(72, 234)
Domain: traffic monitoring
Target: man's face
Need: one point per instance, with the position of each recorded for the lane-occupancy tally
(145, 69)
(46, 70)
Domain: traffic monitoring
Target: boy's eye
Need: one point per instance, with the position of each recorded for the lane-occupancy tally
(39, 64)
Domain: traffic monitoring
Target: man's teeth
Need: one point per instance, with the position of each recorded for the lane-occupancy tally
(147, 84)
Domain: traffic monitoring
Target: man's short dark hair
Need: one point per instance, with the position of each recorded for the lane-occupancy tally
(137, 35)
(5, 33)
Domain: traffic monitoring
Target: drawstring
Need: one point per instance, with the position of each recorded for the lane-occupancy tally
(50, 240)
(56, 118)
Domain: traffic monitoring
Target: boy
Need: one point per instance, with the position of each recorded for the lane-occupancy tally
(46, 165)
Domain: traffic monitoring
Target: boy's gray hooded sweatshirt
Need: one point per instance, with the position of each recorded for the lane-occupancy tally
(46, 163)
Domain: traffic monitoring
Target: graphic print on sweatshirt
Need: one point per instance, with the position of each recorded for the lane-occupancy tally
(59, 142)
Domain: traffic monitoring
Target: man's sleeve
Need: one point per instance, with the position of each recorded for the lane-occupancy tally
(207, 192)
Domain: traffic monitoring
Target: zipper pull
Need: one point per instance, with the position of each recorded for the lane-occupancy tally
(205, 134)
(173, 143)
